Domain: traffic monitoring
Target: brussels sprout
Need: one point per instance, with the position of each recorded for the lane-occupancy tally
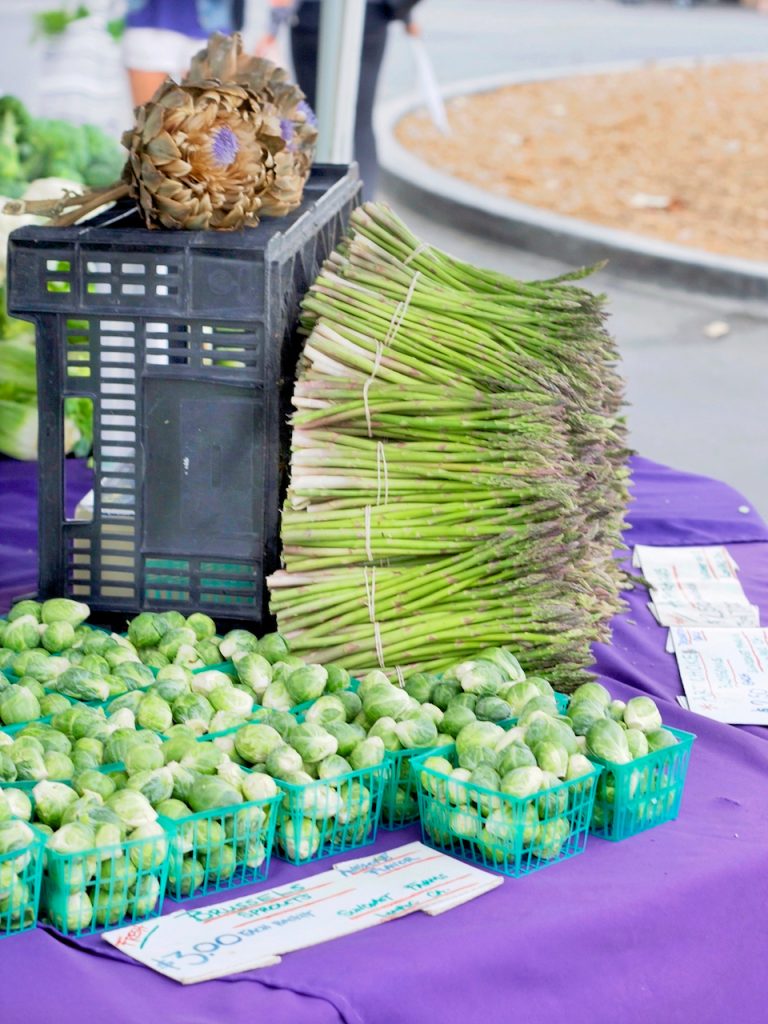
(154, 713)
(136, 675)
(306, 683)
(312, 742)
(208, 652)
(204, 758)
(227, 698)
(415, 732)
(26, 607)
(273, 647)
(15, 835)
(590, 691)
(150, 851)
(492, 709)
(202, 625)
(554, 798)
(254, 742)
(170, 688)
(18, 803)
(482, 678)
(93, 641)
(641, 713)
(151, 658)
(485, 777)
(277, 696)
(516, 755)
(659, 739)
(258, 786)
(328, 708)
(374, 678)
(476, 743)
(238, 641)
(211, 792)
(443, 693)
(607, 740)
(338, 679)
(637, 743)
(18, 704)
(71, 913)
(456, 717)
(58, 766)
(50, 800)
(141, 757)
(300, 839)
(386, 701)
(510, 825)
(282, 760)
(185, 876)
(254, 670)
(518, 694)
(82, 685)
(21, 634)
(419, 686)
(8, 771)
(550, 838)
(522, 782)
(174, 639)
(30, 766)
(52, 704)
(58, 636)
(173, 749)
(147, 630)
(62, 609)
(584, 713)
(386, 729)
(616, 710)
(146, 895)
(551, 757)
(367, 754)
(193, 710)
(131, 807)
(333, 766)
(578, 765)
(347, 735)
(92, 781)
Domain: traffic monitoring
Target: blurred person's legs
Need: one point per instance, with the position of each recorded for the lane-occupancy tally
(150, 55)
(305, 36)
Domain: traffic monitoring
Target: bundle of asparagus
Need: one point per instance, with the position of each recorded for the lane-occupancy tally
(457, 469)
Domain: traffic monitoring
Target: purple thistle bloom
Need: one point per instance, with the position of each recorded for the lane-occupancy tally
(309, 115)
(224, 146)
(287, 133)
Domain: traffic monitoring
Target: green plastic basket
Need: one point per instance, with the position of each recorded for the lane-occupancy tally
(329, 816)
(220, 849)
(20, 872)
(512, 835)
(85, 892)
(400, 804)
(646, 792)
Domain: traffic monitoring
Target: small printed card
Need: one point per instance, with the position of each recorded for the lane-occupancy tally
(724, 672)
(695, 586)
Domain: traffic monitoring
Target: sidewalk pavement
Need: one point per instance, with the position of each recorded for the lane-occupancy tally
(695, 403)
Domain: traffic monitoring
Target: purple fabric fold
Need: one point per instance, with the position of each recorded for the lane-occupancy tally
(667, 926)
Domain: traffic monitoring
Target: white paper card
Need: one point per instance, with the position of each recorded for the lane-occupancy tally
(255, 930)
(724, 673)
(694, 564)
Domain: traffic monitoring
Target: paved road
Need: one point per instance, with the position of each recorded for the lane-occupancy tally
(695, 403)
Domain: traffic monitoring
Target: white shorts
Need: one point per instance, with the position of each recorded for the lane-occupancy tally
(159, 49)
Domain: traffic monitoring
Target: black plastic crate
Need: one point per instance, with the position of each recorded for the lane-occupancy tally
(185, 343)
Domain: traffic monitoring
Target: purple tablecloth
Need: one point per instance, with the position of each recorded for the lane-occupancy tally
(669, 926)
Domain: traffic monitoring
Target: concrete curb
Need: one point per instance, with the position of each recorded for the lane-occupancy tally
(550, 234)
